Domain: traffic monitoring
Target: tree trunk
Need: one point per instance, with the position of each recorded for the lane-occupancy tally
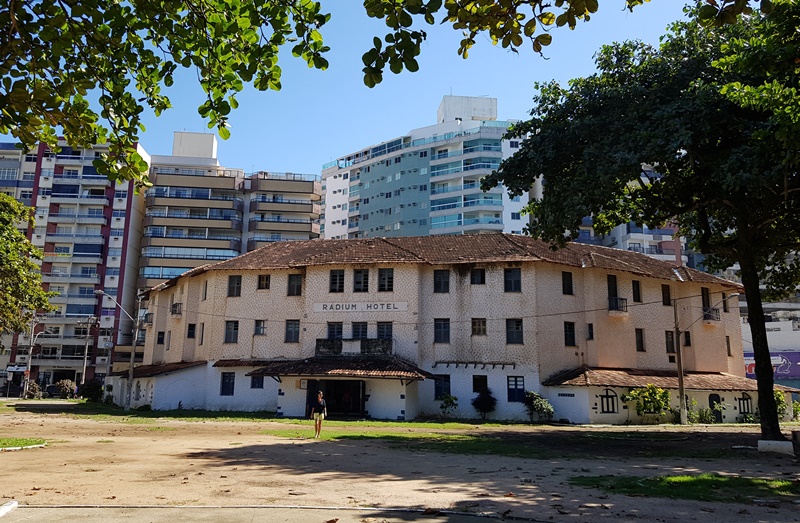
(767, 408)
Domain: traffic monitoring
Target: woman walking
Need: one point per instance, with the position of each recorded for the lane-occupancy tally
(318, 412)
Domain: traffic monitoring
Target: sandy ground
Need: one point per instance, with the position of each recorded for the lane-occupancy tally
(171, 462)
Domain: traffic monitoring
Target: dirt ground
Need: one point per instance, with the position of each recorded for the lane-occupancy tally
(158, 462)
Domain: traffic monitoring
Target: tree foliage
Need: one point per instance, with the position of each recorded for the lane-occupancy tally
(21, 293)
(537, 407)
(485, 403)
(649, 400)
(61, 56)
(724, 169)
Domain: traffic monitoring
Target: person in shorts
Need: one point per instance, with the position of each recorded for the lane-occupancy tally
(318, 412)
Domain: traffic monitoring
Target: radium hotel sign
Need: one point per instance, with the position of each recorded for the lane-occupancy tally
(399, 306)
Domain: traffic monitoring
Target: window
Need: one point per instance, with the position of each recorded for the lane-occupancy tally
(477, 277)
(191, 330)
(384, 330)
(205, 291)
(512, 280)
(566, 282)
(361, 280)
(423, 154)
(725, 307)
(385, 280)
(227, 380)
(359, 330)
(336, 281)
(669, 336)
(590, 331)
(295, 285)
(256, 382)
(479, 326)
(335, 329)
(516, 216)
(745, 404)
(569, 334)
(608, 402)
(441, 330)
(234, 286)
(231, 331)
(728, 345)
(292, 331)
(640, 340)
(666, 295)
(687, 339)
(260, 328)
(516, 389)
(514, 331)
(441, 386)
(480, 383)
(637, 291)
(263, 281)
(441, 281)
(513, 144)
(200, 335)
(160, 338)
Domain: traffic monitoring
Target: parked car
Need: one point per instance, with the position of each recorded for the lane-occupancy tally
(53, 391)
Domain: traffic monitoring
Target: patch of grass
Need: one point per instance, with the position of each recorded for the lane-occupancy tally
(20, 442)
(702, 487)
(454, 443)
(160, 429)
(5, 409)
(235, 443)
(105, 441)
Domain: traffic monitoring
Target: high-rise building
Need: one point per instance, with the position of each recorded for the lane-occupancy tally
(427, 181)
(89, 230)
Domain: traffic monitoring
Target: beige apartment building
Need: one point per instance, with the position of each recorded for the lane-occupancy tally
(387, 327)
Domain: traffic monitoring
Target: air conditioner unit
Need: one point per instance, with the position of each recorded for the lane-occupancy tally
(101, 360)
(22, 358)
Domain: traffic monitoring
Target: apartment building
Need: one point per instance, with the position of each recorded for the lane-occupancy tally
(89, 230)
(427, 181)
(387, 327)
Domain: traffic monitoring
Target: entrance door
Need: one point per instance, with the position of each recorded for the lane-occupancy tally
(312, 388)
(345, 398)
(713, 401)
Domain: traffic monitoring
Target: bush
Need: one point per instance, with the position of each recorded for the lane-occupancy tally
(448, 405)
(650, 400)
(746, 418)
(66, 388)
(144, 408)
(796, 410)
(781, 403)
(706, 416)
(484, 403)
(537, 407)
(34, 391)
(92, 390)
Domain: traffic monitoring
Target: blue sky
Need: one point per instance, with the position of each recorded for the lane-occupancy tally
(321, 115)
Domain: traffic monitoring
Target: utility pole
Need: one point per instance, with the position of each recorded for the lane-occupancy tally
(90, 321)
(679, 360)
(31, 340)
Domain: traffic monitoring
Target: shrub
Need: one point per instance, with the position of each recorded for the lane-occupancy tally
(746, 418)
(537, 407)
(484, 403)
(92, 390)
(144, 408)
(448, 405)
(649, 400)
(706, 416)
(34, 391)
(781, 403)
(796, 410)
(66, 388)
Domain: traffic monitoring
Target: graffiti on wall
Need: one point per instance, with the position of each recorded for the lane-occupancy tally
(784, 364)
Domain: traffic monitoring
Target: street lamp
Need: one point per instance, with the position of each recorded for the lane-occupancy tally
(32, 339)
(137, 323)
(91, 320)
(679, 350)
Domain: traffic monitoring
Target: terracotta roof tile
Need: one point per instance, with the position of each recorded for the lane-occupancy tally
(146, 371)
(456, 249)
(666, 379)
(344, 366)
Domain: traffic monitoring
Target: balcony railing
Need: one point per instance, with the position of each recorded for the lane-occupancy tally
(711, 314)
(328, 347)
(617, 304)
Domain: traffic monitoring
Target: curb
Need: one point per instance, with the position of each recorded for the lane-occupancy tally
(9, 449)
(7, 507)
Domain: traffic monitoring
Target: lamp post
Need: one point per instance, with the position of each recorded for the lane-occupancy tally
(137, 323)
(32, 339)
(91, 320)
(679, 356)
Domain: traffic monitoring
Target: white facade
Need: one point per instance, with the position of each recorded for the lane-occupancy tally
(505, 319)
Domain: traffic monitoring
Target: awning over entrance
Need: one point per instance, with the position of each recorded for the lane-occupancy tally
(16, 368)
(666, 379)
(381, 367)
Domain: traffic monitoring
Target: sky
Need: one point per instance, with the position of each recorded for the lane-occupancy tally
(319, 116)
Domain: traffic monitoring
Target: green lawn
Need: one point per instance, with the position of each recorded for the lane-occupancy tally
(702, 487)
(20, 442)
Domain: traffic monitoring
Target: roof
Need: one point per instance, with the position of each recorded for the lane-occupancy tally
(241, 363)
(451, 249)
(386, 367)
(666, 379)
(146, 371)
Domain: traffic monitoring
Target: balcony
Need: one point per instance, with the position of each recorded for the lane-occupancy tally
(326, 347)
(55, 237)
(79, 198)
(176, 309)
(184, 220)
(195, 201)
(284, 225)
(63, 277)
(189, 240)
(80, 257)
(710, 315)
(56, 217)
(288, 206)
(617, 306)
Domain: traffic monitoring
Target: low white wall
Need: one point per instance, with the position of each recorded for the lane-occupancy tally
(184, 389)
(385, 399)
(244, 398)
(569, 403)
